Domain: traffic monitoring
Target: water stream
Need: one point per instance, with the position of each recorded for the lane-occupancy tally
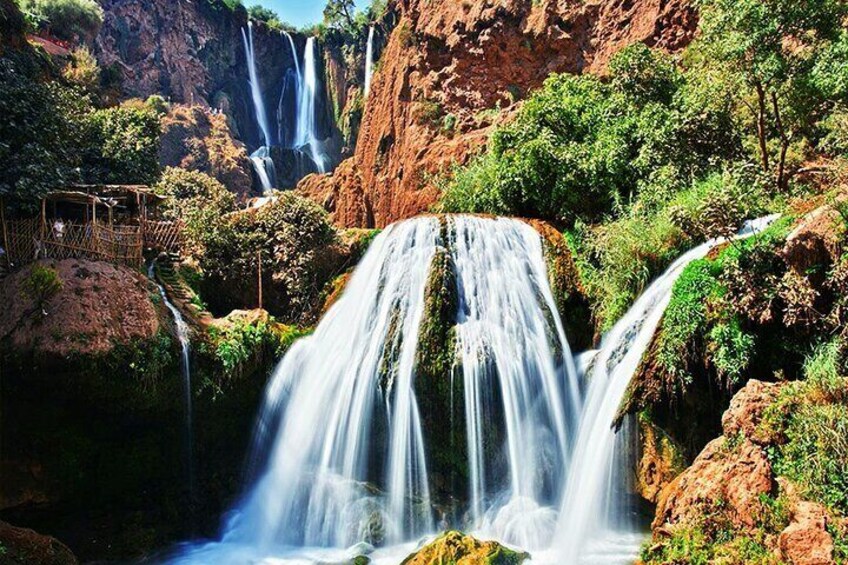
(369, 61)
(340, 455)
(182, 331)
(307, 109)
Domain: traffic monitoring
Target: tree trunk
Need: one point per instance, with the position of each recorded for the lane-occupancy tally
(761, 127)
(784, 143)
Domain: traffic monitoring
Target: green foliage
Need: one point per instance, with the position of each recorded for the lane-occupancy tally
(72, 20)
(83, 71)
(125, 147)
(580, 145)
(198, 200)
(287, 236)
(730, 349)
(41, 132)
(42, 284)
(769, 50)
(243, 344)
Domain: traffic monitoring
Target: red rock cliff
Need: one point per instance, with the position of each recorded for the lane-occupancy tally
(446, 61)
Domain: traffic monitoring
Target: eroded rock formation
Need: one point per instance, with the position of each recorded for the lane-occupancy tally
(448, 62)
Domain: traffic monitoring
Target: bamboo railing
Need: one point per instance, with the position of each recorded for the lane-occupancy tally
(30, 240)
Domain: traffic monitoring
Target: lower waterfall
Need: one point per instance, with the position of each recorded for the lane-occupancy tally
(362, 448)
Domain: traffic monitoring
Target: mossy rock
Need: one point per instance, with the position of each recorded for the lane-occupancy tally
(435, 382)
(455, 548)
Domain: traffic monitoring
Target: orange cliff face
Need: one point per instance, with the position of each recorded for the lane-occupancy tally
(447, 62)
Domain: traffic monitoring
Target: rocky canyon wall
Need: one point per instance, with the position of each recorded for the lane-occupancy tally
(449, 66)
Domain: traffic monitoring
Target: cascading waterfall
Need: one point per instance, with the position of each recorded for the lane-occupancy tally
(512, 345)
(260, 159)
(369, 61)
(185, 368)
(307, 122)
(591, 525)
(265, 169)
(340, 453)
(287, 121)
(255, 89)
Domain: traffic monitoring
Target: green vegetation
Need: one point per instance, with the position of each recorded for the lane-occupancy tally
(71, 20)
(42, 284)
(53, 135)
(666, 152)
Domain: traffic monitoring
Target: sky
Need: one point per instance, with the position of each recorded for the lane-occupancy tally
(298, 12)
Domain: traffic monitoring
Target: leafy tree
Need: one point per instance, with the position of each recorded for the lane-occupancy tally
(579, 145)
(340, 14)
(124, 148)
(42, 130)
(768, 47)
(72, 20)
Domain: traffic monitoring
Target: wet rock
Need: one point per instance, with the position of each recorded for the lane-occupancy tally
(26, 546)
(459, 549)
(660, 462)
(806, 541)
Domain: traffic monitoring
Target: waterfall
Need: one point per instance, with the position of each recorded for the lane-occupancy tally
(512, 345)
(185, 368)
(307, 109)
(589, 522)
(340, 459)
(255, 90)
(369, 61)
(291, 83)
(265, 168)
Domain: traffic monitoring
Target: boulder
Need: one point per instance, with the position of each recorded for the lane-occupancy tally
(734, 476)
(459, 549)
(747, 409)
(806, 540)
(21, 545)
(816, 240)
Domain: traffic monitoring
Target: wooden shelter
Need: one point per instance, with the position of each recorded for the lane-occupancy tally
(112, 223)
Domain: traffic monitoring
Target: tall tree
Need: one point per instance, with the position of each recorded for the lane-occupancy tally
(771, 46)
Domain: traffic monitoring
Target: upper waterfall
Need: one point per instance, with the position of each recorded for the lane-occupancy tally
(369, 61)
(307, 109)
(255, 89)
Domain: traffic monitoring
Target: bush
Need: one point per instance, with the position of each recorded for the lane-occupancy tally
(72, 20)
(289, 236)
(83, 71)
(125, 145)
(42, 284)
(580, 146)
(198, 200)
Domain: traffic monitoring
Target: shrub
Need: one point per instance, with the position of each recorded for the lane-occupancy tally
(83, 70)
(289, 236)
(198, 200)
(72, 20)
(42, 284)
(125, 148)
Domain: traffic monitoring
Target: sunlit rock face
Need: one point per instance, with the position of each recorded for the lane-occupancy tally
(446, 62)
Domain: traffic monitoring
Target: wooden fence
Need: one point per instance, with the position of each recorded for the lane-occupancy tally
(31, 239)
(164, 236)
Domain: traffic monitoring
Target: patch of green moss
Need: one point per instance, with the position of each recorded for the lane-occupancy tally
(438, 388)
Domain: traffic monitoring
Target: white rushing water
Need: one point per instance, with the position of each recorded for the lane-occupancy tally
(369, 61)
(185, 369)
(255, 89)
(590, 523)
(266, 170)
(307, 109)
(518, 373)
(340, 452)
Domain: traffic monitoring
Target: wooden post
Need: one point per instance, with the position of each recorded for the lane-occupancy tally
(259, 264)
(5, 233)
